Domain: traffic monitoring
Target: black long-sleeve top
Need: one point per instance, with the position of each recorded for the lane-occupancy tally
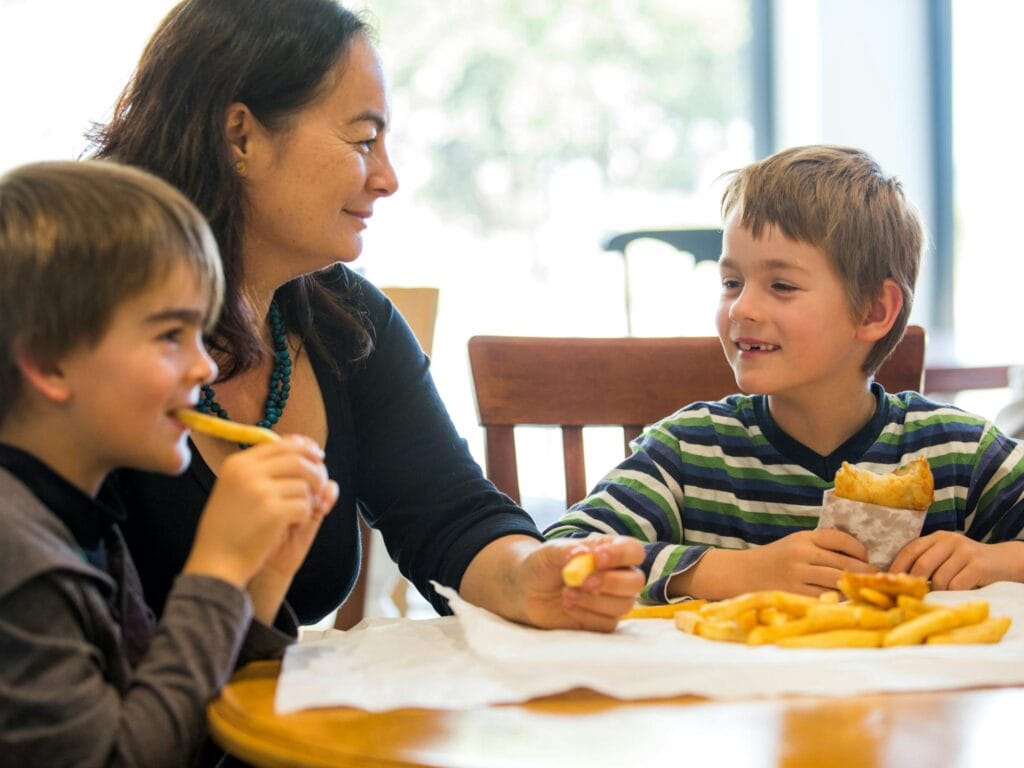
(396, 456)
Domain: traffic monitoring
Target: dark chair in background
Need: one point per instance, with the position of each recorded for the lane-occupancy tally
(702, 244)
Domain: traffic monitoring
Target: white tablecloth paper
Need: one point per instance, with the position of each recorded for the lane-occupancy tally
(477, 658)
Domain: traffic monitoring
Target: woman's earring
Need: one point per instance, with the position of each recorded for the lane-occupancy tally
(240, 167)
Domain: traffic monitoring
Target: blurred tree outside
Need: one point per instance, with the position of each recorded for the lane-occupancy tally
(501, 94)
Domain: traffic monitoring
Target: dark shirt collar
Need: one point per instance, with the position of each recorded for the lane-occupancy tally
(88, 520)
(825, 467)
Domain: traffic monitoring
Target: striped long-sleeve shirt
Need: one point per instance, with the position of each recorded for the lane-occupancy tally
(723, 474)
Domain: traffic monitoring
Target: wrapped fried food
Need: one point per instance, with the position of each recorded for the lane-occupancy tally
(909, 487)
(883, 512)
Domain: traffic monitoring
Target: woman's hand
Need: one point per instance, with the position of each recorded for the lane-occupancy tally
(953, 561)
(521, 579)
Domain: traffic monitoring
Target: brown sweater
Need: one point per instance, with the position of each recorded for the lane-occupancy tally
(68, 693)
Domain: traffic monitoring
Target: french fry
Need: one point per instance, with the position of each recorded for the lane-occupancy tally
(811, 624)
(862, 616)
(223, 429)
(747, 620)
(892, 584)
(662, 611)
(725, 610)
(913, 607)
(874, 597)
(688, 621)
(793, 604)
(693, 623)
(836, 638)
(576, 571)
(974, 612)
(770, 617)
(829, 597)
(915, 631)
(988, 631)
(728, 631)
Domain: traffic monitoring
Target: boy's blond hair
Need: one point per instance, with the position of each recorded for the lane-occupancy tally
(837, 199)
(76, 240)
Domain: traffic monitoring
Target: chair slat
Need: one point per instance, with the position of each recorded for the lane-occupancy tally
(630, 432)
(501, 460)
(575, 470)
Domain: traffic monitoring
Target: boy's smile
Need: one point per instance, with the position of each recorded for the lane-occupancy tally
(784, 318)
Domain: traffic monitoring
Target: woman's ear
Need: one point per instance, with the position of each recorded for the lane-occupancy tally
(44, 377)
(239, 126)
(881, 312)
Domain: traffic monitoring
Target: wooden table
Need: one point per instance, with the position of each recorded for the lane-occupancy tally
(948, 729)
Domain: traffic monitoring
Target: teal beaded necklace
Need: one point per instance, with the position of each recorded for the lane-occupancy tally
(280, 378)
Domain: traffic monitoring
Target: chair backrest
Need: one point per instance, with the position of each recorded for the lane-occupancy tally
(626, 382)
(955, 379)
(704, 244)
(419, 308)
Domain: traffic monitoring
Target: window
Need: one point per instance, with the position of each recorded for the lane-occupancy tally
(524, 133)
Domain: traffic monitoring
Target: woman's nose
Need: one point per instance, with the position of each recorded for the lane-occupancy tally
(383, 179)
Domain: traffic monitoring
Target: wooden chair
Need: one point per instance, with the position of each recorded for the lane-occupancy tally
(626, 382)
(419, 308)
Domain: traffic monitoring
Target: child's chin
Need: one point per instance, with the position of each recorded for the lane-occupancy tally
(178, 462)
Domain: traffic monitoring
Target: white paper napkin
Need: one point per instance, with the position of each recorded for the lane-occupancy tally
(477, 658)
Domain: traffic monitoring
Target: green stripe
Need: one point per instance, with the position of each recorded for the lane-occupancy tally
(732, 511)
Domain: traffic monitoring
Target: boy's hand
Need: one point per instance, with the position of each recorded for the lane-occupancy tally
(953, 561)
(598, 603)
(260, 495)
(806, 562)
(270, 584)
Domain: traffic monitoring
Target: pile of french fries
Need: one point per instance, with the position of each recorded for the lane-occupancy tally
(880, 614)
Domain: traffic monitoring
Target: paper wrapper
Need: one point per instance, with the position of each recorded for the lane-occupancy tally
(884, 531)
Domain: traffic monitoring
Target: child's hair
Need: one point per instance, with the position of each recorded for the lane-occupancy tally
(76, 240)
(837, 199)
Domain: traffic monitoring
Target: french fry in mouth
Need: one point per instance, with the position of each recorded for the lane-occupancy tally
(224, 429)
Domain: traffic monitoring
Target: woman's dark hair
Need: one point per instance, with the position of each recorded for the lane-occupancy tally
(274, 56)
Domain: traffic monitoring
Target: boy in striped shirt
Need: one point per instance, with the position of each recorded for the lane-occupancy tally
(819, 258)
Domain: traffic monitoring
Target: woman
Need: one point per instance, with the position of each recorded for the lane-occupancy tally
(271, 115)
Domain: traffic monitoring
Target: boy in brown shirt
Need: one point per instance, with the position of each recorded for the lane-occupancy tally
(108, 278)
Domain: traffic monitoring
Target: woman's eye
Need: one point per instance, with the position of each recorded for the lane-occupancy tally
(366, 145)
(783, 287)
(730, 283)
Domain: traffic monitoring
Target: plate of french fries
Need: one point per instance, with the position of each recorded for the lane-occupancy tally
(874, 610)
